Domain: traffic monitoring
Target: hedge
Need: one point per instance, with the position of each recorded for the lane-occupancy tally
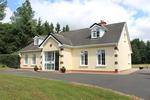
(12, 61)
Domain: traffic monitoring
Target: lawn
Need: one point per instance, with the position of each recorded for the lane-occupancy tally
(26, 88)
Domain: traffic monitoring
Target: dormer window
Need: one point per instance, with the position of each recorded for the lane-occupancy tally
(96, 33)
(38, 40)
(98, 30)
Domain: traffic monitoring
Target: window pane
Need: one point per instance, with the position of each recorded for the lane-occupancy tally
(86, 58)
(99, 59)
(34, 59)
(26, 59)
(82, 59)
(103, 57)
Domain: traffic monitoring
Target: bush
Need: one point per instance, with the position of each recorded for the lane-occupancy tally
(36, 68)
(141, 67)
(63, 69)
(12, 61)
(3, 66)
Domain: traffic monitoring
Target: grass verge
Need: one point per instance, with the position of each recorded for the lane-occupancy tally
(26, 88)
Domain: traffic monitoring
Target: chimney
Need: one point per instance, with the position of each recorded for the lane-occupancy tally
(102, 23)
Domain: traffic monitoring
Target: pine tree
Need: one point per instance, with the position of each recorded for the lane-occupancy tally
(57, 28)
(24, 24)
(51, 28)
(39, 28)
(64, 29)
(67, 28)
(3, 4)
(46, 28)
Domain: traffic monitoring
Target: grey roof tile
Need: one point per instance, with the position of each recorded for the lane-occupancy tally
(82, 37)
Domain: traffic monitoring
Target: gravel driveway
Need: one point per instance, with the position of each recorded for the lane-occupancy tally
(137, 83)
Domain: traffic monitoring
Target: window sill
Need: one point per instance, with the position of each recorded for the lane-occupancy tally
(83, 66)
(25, 64)
(33, 64)
(100, 66)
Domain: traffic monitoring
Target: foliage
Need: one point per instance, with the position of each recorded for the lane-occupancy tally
(39, 27)
(24, 24)
(9, 60)
(67, 28)
(141, 51)
(63, 69)
(18, 34)
(57, 28)
(27, 88)
(36, 68)
(8, 43)
(3, 4)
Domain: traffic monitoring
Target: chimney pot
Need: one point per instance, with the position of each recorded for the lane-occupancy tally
(102, 23)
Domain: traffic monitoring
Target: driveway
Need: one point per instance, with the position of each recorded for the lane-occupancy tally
(137, 83)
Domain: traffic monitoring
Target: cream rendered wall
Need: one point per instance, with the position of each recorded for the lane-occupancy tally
(30, 55)
(66, 59)
(124, 51)
(92, 59)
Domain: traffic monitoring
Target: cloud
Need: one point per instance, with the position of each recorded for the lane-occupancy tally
(8, 13)
(83, 13)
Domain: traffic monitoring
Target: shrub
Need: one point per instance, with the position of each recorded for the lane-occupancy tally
(12, 61)
(141, 67)
(63, 69)
(36, 68)
(2, 66)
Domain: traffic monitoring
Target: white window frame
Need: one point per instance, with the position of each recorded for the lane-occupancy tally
(129, 58)
(26, 59)
(34, 58)
(82, 54)
(94, 34)
(99, 52)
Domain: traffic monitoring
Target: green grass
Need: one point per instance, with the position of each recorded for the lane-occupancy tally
(2, 66)
(26, 88)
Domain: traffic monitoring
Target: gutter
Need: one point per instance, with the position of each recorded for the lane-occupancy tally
(92, 45)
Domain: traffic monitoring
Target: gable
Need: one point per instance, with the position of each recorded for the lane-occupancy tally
(50, 45)
(125, 39)
(47, 38)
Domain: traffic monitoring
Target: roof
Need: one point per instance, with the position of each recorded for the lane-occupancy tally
(32, 47)
(82, 37)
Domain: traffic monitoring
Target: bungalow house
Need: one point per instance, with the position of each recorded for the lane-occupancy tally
(100, 48)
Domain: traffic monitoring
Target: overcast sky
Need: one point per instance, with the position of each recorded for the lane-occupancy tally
(83, 13)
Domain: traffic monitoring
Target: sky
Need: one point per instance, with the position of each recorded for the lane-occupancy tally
(83, 13)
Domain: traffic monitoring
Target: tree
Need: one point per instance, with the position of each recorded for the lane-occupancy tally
(39, 27)
(148, 52)
(24, 24)
(46, 28)
(3, 4)
(64, 29)
(51, 28)
(67, 28)
(57, 28)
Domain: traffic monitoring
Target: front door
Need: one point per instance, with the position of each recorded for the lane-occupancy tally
(50, 60)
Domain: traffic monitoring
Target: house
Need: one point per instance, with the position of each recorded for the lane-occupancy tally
(100, 48)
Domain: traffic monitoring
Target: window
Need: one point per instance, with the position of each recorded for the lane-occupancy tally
(101, 57)
(95, 33)
(34, 59)
(84, 58)
(129, 58)
(26, 59)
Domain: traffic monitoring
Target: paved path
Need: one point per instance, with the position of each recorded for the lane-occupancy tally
(137, 83)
